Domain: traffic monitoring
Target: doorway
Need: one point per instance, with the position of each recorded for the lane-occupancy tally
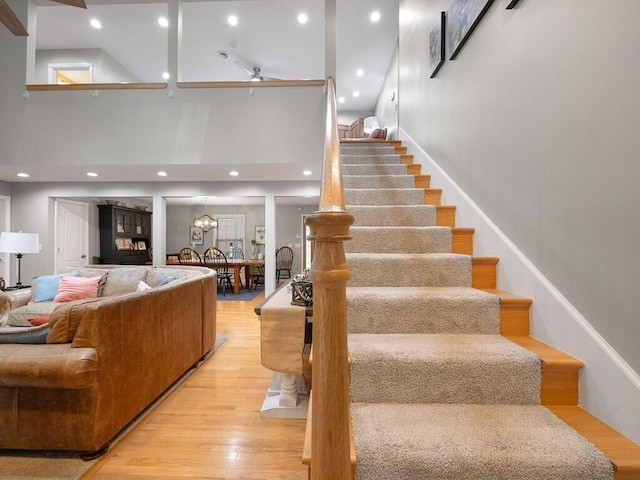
(72, 234)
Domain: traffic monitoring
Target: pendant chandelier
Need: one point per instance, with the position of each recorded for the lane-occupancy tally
(205, 221)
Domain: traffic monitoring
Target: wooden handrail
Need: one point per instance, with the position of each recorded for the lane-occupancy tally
(329, 226)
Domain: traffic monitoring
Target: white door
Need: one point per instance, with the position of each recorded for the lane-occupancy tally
(72, 234)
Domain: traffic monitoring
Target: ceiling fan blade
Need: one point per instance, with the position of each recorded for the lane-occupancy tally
(11, 21)
(73, 3)
(243, 67)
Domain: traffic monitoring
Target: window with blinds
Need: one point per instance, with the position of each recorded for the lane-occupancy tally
(230, 233)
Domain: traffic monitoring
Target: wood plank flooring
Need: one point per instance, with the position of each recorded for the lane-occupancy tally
(210, 426)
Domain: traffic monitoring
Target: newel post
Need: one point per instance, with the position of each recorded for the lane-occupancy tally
(330, 438)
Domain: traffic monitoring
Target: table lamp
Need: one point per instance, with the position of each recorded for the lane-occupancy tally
(19, 243)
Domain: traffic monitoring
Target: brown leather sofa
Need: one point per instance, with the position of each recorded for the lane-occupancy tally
(104, 361)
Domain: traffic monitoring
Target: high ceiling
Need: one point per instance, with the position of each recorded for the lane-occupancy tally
(267, 35)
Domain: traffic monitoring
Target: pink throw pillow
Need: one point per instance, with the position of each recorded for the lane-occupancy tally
(37, 321)
(77, 288)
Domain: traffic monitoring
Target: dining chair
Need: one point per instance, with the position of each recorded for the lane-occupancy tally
(188, 256)
(216, 259)
(256, 276)
(284, 262)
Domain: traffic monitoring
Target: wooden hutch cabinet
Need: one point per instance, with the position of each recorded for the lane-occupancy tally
(125, 235)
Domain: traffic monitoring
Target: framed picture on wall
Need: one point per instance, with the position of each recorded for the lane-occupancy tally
(260, 232)
(462, 19)
(196, 236)
(436, 45)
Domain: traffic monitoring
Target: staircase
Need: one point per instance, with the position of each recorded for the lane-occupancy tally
(445, 381)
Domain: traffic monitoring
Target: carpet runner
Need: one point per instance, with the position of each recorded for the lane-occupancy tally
(436, 392)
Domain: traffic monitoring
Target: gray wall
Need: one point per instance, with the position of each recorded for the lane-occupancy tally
(537, 120)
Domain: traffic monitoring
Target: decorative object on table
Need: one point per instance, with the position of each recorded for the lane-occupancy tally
(19, 243)
(462, 19)
(260, 234)
(302, 290)
(253, 248)
(436, 45)
(196, 235)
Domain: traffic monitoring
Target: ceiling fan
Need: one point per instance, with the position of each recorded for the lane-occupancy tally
(254, 73)
(12, 22)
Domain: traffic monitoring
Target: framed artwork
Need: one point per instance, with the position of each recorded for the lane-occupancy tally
(124, 244)
(196, 236)
(260, 231)
(512, 4)
(462, 19)
(436, 45)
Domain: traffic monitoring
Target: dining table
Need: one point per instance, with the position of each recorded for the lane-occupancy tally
(236, 265)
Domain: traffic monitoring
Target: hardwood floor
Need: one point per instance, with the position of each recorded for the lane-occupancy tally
(210, 426)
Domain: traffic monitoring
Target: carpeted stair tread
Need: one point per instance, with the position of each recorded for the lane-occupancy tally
(384, 196)
(377, 169)
(422, 310)
(367, 150)
(379, 181)
(409, 270)
(393, 215)
(400, 240)
(442, 368)
(470, 442)
(370, 159)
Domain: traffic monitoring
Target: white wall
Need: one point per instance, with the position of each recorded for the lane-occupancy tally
(387, 105)
(536, 120)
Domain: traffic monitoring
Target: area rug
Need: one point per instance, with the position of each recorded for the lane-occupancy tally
(243, 296)
(65, 465)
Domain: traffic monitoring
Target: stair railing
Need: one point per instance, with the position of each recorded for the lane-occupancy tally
(329, 227)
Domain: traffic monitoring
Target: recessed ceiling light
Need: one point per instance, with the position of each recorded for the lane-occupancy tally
(302, 18)
(166, 75)
(356, 94)
(375, 16)
(341, 100)
(359, 72)
(232, 20)
(95, 23)
(162, 174)
(233, 173)
(307, 172)
(163, 22)
(223, 55)
(23, 175)
(92, 174)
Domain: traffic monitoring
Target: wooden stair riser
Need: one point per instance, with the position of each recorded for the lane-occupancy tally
(446, 215)
(400, 150)
(414, 169)
(462, 240)
(484, 272)
(423, 181)
(406, 159)
(433, 196)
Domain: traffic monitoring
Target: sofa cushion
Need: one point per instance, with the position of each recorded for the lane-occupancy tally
(95, 272)
(77, 288)
(163, 279)
(64, 320)
(19, 317)
(163, 275)
(45, 287)
(28, 334)
(123, 280)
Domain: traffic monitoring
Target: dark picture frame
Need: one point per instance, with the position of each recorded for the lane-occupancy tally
(462, 19)
(436, 45)
(512, 4)
(196, 236)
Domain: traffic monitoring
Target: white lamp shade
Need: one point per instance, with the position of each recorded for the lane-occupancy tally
(18, 242)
